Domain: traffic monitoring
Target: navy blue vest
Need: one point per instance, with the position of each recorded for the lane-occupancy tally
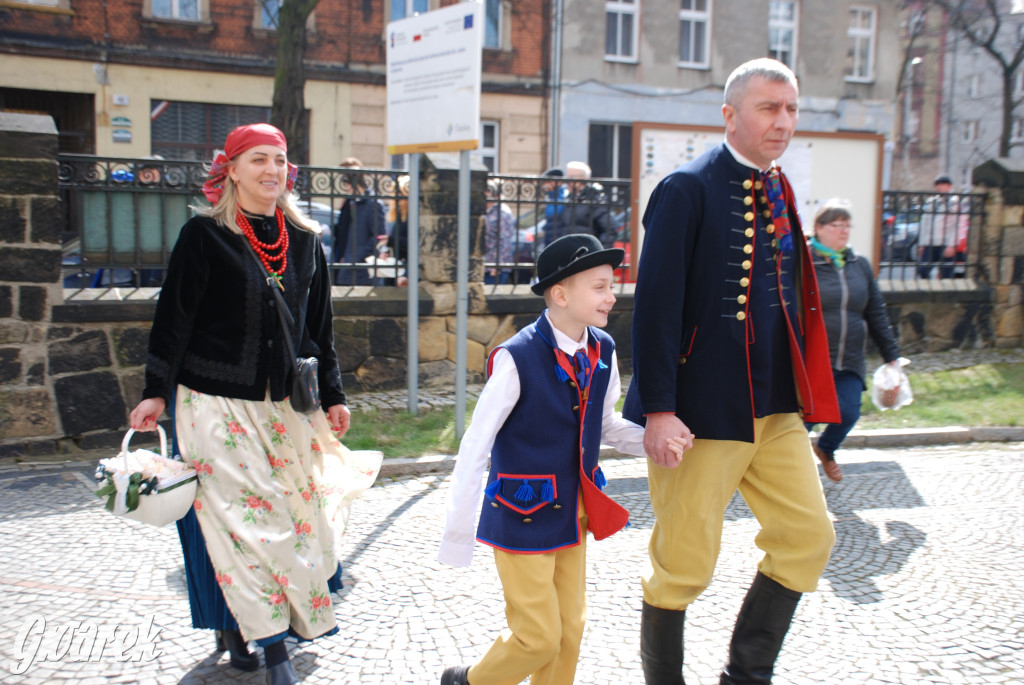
(531, 498)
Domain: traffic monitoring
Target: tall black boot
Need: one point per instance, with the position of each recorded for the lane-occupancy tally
(241, 657)
(661, 645)
(760, 628)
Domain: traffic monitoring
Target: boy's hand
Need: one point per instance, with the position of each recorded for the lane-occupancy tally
(662, 436)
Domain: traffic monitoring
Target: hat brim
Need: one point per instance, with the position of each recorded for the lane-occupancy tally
(612, 257)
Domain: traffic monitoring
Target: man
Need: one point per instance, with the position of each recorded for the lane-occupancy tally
(362, 221)
(729, 348)
(939, 231)
(585, 209)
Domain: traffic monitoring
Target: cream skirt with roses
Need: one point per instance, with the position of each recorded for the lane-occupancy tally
(273, 499)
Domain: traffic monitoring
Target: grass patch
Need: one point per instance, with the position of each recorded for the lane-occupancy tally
(981, 395)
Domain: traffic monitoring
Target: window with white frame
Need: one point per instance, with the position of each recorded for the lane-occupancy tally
(970, 131)
(621, 27)
(487, 151)
(973, 86)
(694, 32)
(860, 41)
(610, 150)
(782, 31)
(400, 9)
(492, 24)
(184, 10)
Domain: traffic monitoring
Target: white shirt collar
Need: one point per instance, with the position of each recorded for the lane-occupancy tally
(564, 342)
(743, 160)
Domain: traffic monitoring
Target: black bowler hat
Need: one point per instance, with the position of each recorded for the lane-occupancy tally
(570, 255)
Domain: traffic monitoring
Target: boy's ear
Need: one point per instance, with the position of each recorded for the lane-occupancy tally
(558, 295)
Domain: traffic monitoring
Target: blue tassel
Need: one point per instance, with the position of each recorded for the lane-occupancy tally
(547, 492)
(560, 373)
(492, 488)
(525, 494)
(599, 480)
(601, 364)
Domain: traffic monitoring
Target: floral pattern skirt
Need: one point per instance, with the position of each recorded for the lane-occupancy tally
(273, 500)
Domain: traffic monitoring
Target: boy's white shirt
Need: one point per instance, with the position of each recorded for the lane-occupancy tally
(498, 398)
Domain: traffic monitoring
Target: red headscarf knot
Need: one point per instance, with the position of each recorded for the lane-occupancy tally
(238, 141)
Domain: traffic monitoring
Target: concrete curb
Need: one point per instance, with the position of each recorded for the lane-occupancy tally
(879, 438)
(395, 467)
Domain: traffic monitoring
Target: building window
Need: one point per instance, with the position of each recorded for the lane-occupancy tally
(610, 150)
(194, 130)
(694, 32)
(973, 86)
(268, 10)
(782, 31)
(400, 9)
(492, 24)
(184, 10)
(860, 51)
(487, 152)
(970, 131)
(620, 34)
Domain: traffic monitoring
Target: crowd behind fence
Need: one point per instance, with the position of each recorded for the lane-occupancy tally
(124, 215)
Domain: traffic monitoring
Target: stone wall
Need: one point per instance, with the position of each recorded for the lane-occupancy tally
(71, 370)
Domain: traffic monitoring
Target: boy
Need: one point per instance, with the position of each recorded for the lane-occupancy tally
(547, 406)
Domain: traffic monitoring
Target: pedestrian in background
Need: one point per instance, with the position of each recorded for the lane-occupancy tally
(940, 229)
(499, 237)
(274, 484)
(585, 209)
(729, 348)
(853, 308)
(361, 226)
(545, 411)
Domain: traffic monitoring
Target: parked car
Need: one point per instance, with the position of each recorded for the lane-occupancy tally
(900, 233)
(327, 217)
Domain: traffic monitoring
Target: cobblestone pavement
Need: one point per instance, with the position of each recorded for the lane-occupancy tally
(924, 585)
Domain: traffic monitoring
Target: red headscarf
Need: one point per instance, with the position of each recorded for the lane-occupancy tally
(238, 141)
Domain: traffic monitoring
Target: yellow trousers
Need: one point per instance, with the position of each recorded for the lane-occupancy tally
(778, 479)
(546, 609)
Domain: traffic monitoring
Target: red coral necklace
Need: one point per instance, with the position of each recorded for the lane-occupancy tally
(264, 250)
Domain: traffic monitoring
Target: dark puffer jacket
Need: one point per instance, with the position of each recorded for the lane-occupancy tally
(853, 307)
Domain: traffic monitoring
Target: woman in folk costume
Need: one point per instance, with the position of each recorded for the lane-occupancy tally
(274, 484)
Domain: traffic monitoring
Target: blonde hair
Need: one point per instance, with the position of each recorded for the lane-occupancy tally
(226, 209)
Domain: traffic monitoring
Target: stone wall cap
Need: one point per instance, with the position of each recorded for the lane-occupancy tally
(27, 123)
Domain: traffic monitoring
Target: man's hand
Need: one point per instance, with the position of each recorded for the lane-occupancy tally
(339, 416)
(665, 439)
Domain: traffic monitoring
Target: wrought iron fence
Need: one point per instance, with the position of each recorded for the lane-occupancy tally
(926, 236)
(525, 213)
(124, 215)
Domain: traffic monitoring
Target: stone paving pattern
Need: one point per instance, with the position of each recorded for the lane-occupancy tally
(924, 585)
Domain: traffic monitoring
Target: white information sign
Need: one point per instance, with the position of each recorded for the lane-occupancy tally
(433, 80)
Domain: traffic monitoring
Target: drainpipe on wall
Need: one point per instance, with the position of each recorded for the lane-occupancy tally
(556, 83)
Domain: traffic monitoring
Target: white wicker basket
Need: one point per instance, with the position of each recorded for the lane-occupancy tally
(168, 501)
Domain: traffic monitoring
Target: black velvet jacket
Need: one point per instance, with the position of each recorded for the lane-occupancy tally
(217, 329)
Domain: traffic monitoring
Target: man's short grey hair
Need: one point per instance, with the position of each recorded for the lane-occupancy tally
(763, 67)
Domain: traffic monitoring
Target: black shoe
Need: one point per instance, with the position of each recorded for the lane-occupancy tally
(241, 657)
(282, 674)
(455, 675)
(661, 645)
(761, 626)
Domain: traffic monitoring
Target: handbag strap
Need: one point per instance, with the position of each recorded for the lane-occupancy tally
(287, 320)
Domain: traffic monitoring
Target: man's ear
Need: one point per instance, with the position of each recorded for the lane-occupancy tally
(729, 115)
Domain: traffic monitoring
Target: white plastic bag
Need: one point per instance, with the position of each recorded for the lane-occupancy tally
(891, 387)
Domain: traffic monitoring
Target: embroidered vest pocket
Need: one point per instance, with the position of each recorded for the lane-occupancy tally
(523, 493)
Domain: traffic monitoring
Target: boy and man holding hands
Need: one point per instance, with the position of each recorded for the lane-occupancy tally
(730, 358)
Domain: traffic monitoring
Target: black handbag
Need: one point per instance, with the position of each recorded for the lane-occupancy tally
(305, 397)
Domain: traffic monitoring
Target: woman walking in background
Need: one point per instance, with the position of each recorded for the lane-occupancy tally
(274, 484)
(853, 307)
